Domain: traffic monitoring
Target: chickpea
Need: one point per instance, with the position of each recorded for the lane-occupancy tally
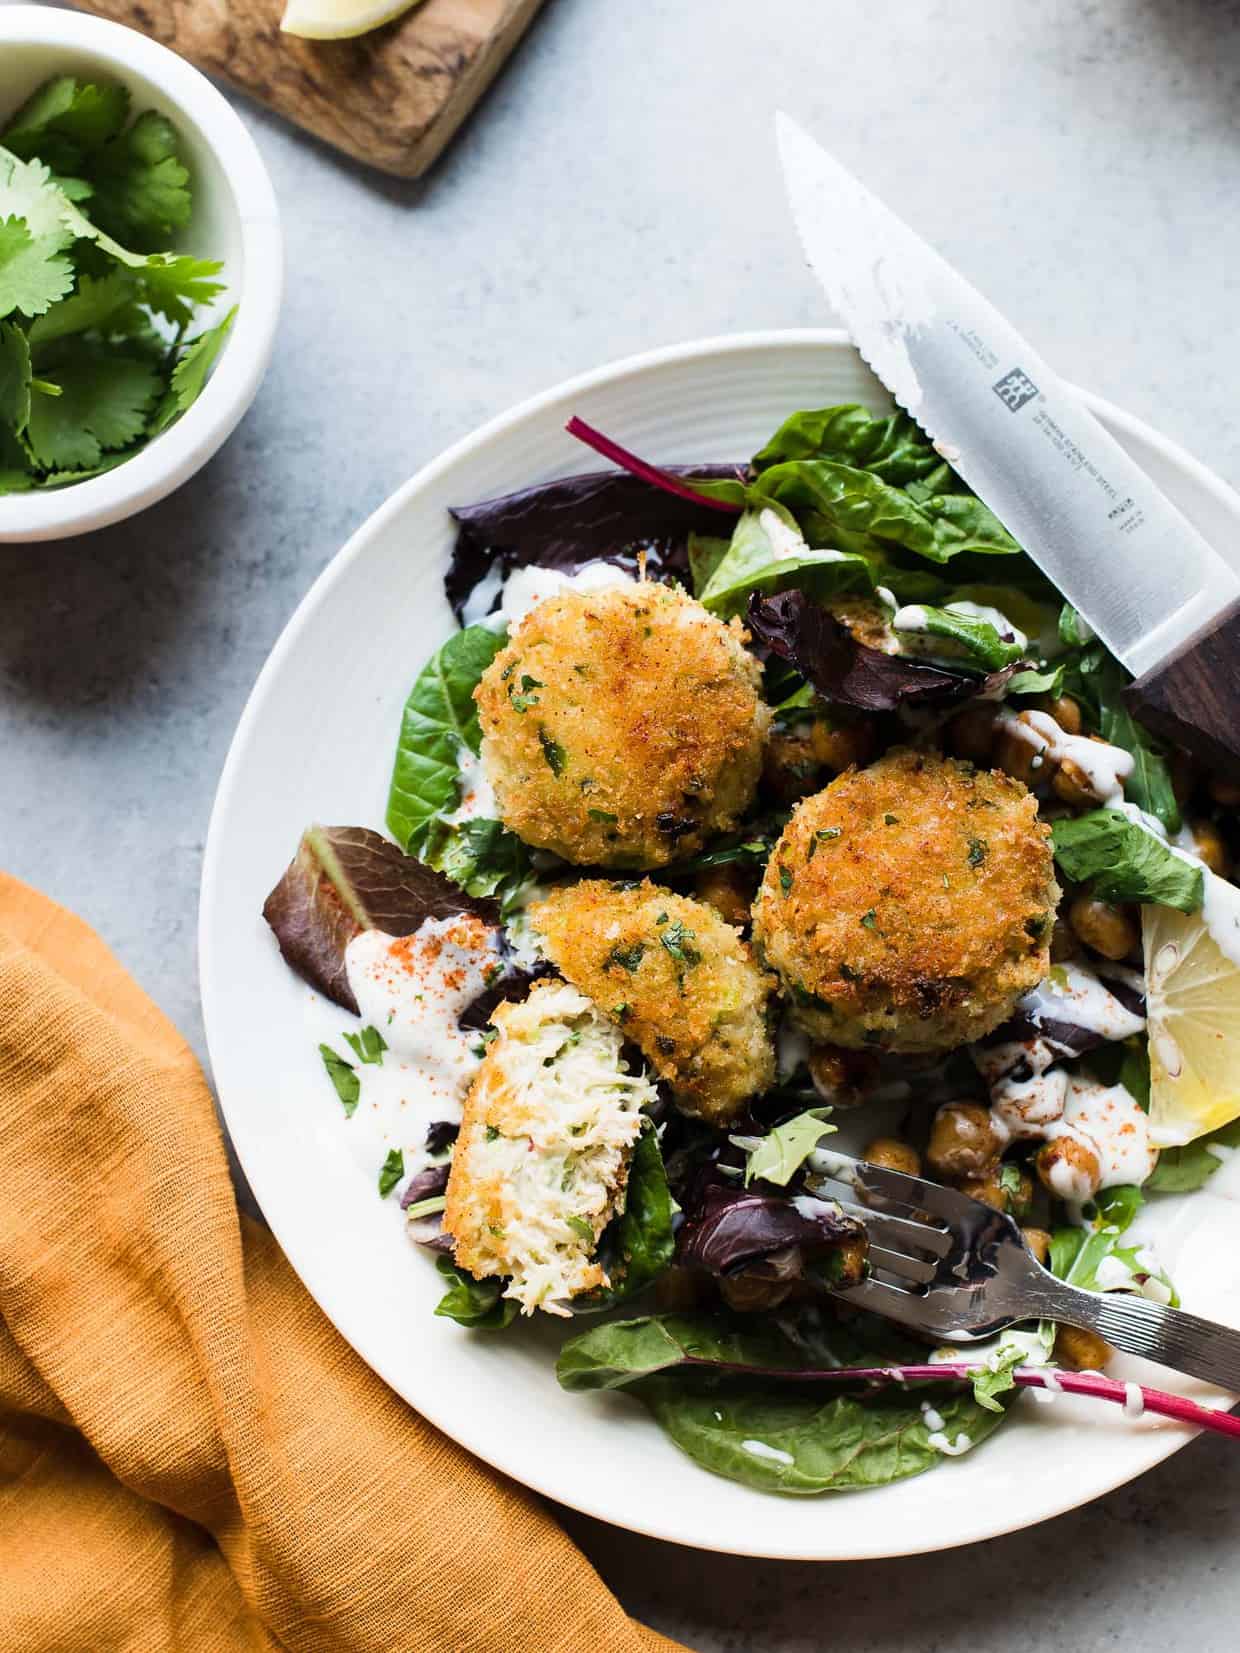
(1209, 844)
(754, 1293)
(838, 746)
(1064, 944)
(842, 1077)
(1108, 929)
(1068, 1168)
(1072, 786)
(1081, 1351)
(728, 890)
(971, 734)
(1003, 1188)
(848, 1262)
(1022, 758)
(1038, 1241)
(1225, 792)
(1067, 714)
(893, 1155)
(1183, 776)
(964, 1141)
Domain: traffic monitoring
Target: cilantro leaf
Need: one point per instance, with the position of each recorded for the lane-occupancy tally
(64, 119)
(103, 402)
(14, 382)
(173, 286)
(33, 274)
(141, 192)
(101, 304)
(28, 192)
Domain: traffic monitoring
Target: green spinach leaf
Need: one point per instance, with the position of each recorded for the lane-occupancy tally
(478, 1304)
(637, 1245)
(754, 563)
(1121, 861)
(892, 448)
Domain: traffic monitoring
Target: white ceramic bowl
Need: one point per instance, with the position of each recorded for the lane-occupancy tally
(316, 743)
(235, 219)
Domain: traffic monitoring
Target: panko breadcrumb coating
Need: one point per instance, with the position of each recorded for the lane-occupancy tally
(622, 727)
(908, 905)
(541, 1163)
(679, 981)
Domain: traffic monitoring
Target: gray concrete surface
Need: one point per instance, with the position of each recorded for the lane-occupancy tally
(617, 190)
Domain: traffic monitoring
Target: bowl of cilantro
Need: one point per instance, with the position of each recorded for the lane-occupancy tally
(140, 272)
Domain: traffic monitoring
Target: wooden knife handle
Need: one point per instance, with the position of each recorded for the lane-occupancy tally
(1193, 697)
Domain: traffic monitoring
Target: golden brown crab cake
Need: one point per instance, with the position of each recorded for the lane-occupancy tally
(622, 727)
(679, 981)
(908, 905)
(541, 1163)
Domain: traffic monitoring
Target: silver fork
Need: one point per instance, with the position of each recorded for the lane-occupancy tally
(951, 1267)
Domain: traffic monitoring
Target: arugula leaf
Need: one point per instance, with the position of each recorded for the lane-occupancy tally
(140, 184)
(638, 1244)
(785, 1149)
(979, 636)
(440, 718)
(341, 1073)
(392, 1171)
(753, 563)
(64, 119)
(368, 1045)
(104, 394)
(33, 275)
(1121, 861)
(478, 1304)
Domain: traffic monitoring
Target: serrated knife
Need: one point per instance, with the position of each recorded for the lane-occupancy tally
(1162, 599)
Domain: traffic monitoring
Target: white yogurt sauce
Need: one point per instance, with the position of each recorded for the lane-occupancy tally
(1104, 766)
(477, 795)
(759, 1449)
(950, 1449)
(791, 1048)
(526, 587)
(413, 989)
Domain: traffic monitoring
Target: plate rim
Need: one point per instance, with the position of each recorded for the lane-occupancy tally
(1157, 1445)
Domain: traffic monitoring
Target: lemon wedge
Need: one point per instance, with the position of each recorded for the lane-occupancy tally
(1192, 984)
(340, 19)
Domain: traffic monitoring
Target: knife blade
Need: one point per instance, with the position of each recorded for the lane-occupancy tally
(1110, 540)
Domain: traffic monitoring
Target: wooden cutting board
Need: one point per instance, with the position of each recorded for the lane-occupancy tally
(392, 98)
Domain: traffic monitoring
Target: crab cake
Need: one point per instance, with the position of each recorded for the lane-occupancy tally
(621, 727)
(541, 1163)
(910, 904)
(679, 981)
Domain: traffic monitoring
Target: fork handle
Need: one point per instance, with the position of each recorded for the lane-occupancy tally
(1185, 1342)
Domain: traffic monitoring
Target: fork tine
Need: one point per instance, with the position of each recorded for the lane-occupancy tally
(884, 1299)
(919, 1270)
(889, 1229)
(947, 1204)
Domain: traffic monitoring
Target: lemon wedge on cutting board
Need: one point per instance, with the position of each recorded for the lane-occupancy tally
(340, 19)
(1192, 984)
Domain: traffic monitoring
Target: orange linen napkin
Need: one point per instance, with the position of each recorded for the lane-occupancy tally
(191, 1457)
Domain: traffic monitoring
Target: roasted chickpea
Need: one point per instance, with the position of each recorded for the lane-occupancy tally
(1072, 786)
(964, 1141)
(754, 1293)
(971, 734)
(837, 746)
(1021, 756)
(1038, 1241)
(1068, 1168)
(1067, 714)
(728, 890)
(1225, 792)
(893, 1155)
(842, 1077)
(1064, 943)
(1106, 928)
(1004, 1188)
(1081, 1351)
(1209, 844)
(847, 1263)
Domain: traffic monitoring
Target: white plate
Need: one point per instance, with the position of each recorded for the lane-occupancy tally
(316, 743)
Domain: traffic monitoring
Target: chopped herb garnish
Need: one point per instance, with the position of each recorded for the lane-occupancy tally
(368, 1045)
(492, 1133)
(785, 879)
(581, 1228)
(553, 752)
(1009, 1181)
(825, 834)
(891, 820)
(348, 1085)
(628, 958)
(979, 849)
(393, 1170)
(602, 815)
(679, 942)
(869, 921)
(620, 1011)
(662, 919)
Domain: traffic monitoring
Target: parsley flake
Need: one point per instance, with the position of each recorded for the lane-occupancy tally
(979, 849)
(680, 943)
(554, 753)
(628, 958)
(785, 879)
(393, 1170)
(368, 1045)
(341, 1073)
